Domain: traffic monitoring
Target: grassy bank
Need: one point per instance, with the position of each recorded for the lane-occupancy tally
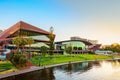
(6, 67)
(57, 59)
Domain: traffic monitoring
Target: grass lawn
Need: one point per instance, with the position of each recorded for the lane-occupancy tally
(6, 67)
(5, 64)
(57, 59)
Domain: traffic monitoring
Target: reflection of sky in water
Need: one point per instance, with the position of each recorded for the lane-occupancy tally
(105, 71)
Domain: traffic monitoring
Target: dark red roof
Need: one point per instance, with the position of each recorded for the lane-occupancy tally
(24, 26)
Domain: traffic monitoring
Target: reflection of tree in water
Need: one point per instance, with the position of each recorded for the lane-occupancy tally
(51, 74)
(115, 63)
(69, 68)
(118, 60)
(43, 74)
(47, 74)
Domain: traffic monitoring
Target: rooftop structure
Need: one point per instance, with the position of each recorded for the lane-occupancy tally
(25, 29)
(85, 44)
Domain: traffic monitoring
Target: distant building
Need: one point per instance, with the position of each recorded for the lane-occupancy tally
(93, 41)
(105, 52)
(79, 38)
(80, 43)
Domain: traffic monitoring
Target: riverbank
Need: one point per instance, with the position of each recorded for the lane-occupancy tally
(34, 68)
(56, 60)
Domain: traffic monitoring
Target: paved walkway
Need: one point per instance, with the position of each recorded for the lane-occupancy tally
(33, 68)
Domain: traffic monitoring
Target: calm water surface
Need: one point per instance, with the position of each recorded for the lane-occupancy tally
(98, 70)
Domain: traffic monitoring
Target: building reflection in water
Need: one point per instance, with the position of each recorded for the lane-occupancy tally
(77, 67)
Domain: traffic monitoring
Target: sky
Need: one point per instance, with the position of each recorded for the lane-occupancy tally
(91, 19)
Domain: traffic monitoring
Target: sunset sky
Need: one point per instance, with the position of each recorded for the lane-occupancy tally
(92, 19)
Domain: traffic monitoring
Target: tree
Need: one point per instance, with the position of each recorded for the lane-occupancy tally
(30, 41)
(43, 50)
(23, 43)
(115, 47)
(18, 59)
(17, 41)
(51, 37)
(68, 49)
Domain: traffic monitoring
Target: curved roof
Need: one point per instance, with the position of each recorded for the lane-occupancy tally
(22, 26)
(84, 41)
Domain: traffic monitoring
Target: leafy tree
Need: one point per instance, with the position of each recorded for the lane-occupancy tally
(68, 49)
(17, 41)
(30, 41)
(115, 47)
(43, 50)
(23, 43)
(18, 59)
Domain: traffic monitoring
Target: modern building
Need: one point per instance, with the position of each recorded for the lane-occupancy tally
(81, 44)
(27, 30)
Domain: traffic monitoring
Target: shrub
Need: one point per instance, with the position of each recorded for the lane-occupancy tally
(43, 50)
(91, 52)
(18, 59)
(68, 49)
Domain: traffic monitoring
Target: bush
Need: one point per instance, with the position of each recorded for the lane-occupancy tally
(68, 49)
(91, 52)
(18, 59)
(43, 50)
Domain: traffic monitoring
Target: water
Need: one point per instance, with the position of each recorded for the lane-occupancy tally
(98, 70)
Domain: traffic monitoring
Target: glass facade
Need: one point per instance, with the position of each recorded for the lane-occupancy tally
(40, 37)
(74, 44)
(39, 44)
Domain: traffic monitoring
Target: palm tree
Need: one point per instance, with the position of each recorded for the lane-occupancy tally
(17, 41)
(30, 41)
(24, 42)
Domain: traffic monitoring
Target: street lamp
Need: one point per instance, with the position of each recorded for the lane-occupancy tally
(51, 29)
(39, 59)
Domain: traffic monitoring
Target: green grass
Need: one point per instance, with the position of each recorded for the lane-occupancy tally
(6, 65)
(57, 59)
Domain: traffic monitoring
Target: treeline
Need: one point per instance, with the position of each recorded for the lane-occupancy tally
(115, 47)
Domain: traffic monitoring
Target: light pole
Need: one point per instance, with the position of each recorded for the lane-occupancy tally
(39, 59)
(51, 29)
